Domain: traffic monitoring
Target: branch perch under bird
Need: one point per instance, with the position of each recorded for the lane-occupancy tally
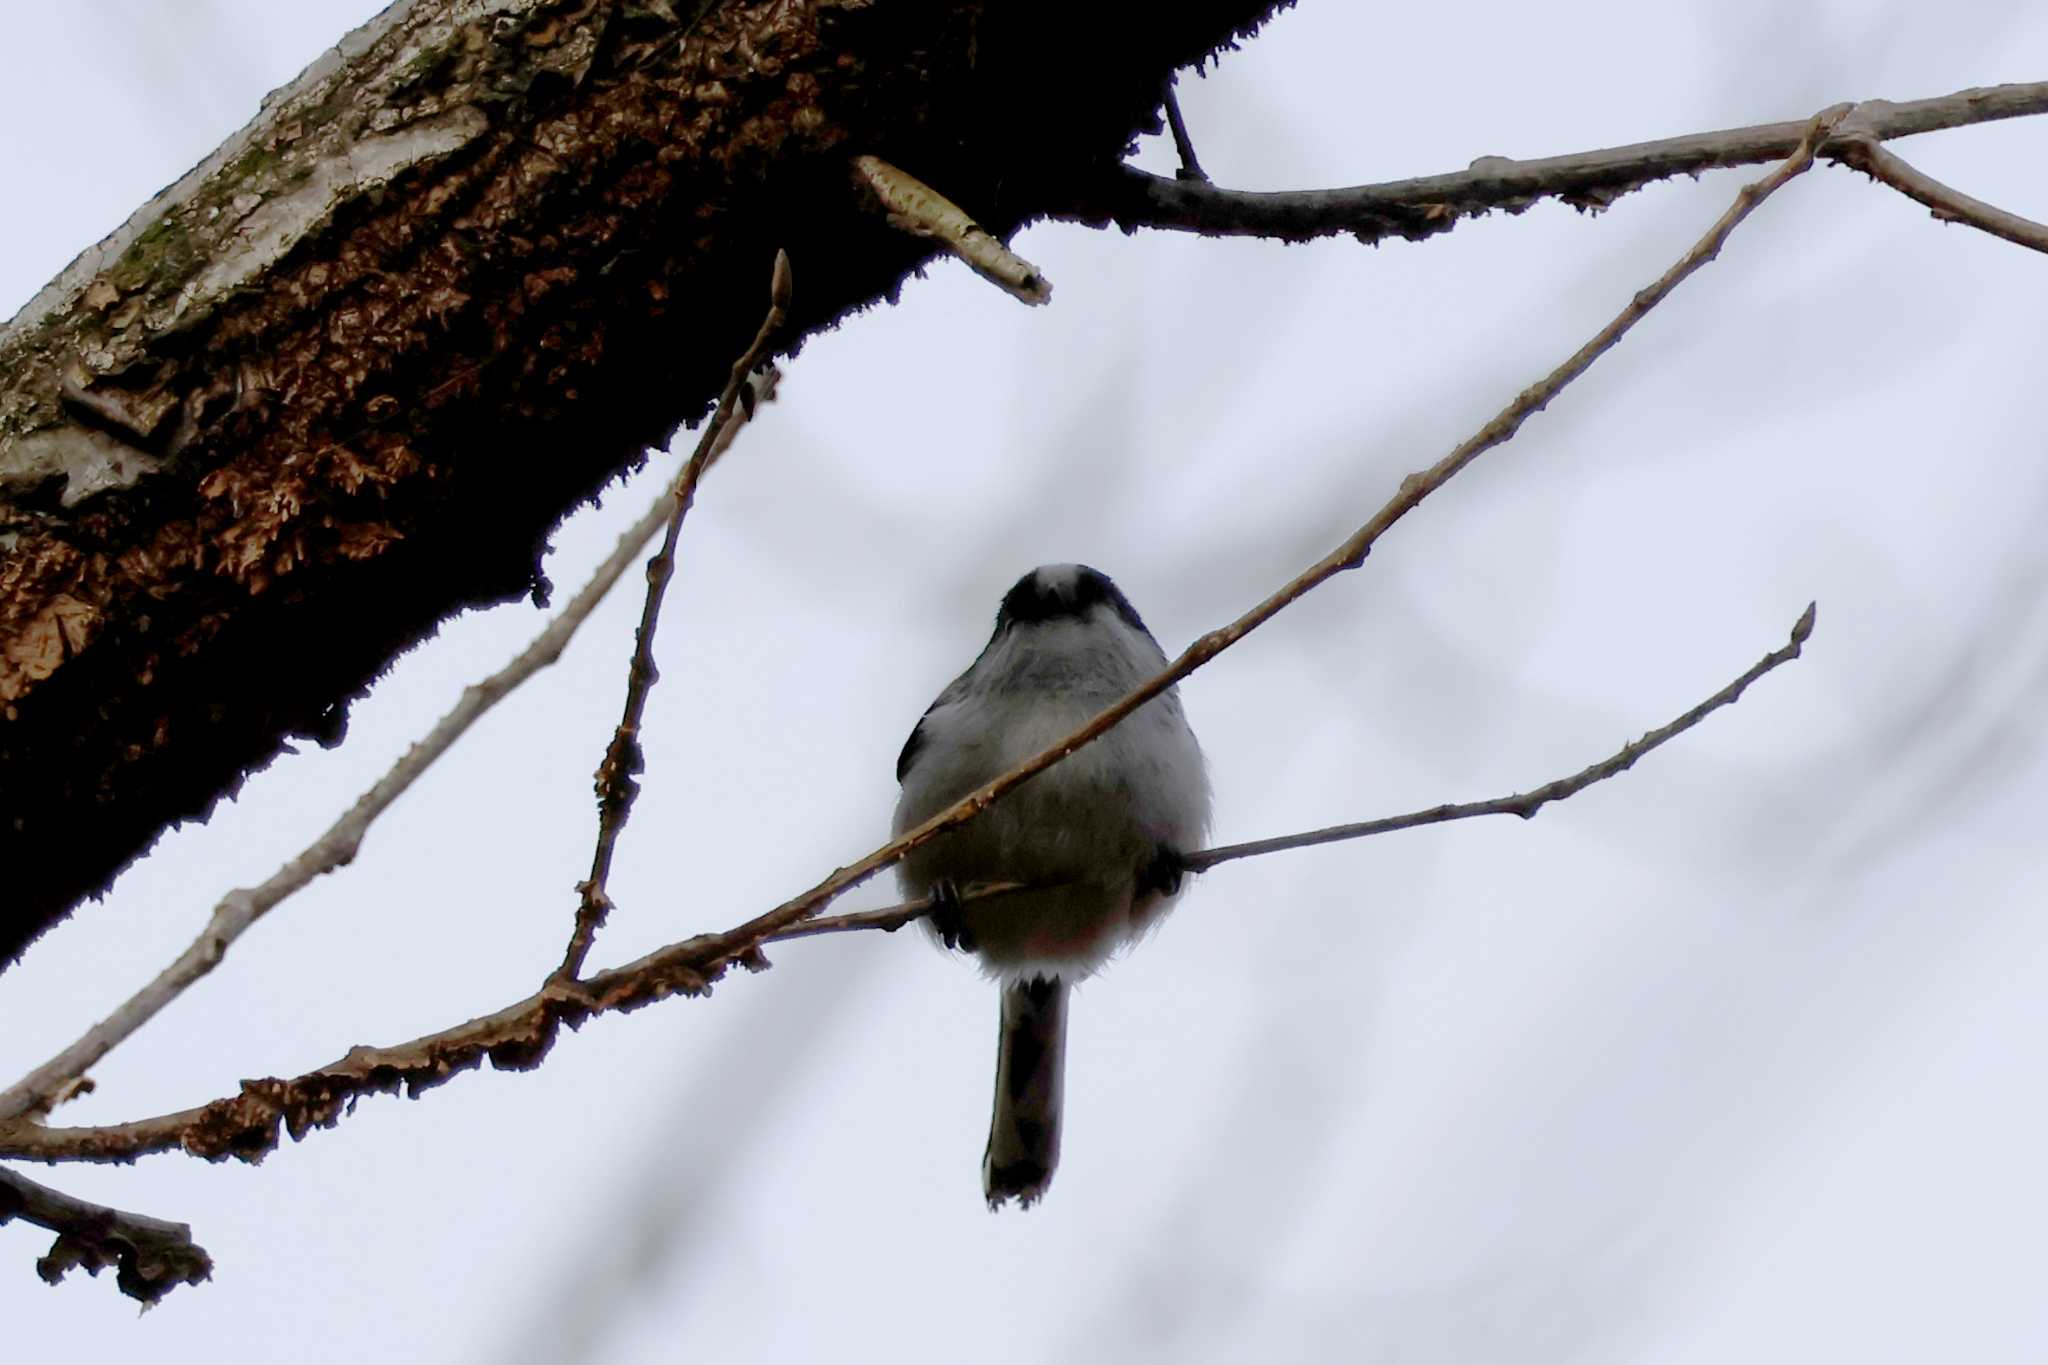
(246, 1126)
(1524, 804)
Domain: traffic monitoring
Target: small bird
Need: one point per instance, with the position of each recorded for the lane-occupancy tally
(1102, 836)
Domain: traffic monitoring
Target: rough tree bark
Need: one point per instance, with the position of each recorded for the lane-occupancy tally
(340, 381)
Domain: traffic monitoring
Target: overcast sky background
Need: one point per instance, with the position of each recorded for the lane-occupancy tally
(1738, 1057)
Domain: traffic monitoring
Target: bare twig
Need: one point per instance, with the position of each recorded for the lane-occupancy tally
(151, 1257)
(1854, 146)
(1525, 804)
(616, 784)
(890, 918)
(519, 1036)
(1422, 207)
(917, 208)
(1190, 168)
(44, 1087)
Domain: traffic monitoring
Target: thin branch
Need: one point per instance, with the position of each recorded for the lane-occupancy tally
(1525, 804)
(151, 1257)
(1422, 207)
(1854, 147)
(1190, 168)
(917, 208)
(893, 917)
(623, 760)
(890, 918)
(519, 1036)
(61, 1075)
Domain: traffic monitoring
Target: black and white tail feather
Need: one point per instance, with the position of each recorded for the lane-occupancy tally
(1101, 834)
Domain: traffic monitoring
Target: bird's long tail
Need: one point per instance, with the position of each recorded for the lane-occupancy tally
(1024, 1134)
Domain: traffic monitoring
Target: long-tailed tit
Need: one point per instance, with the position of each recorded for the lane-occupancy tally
(1101, 834)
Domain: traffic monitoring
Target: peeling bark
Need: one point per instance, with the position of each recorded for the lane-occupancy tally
(340, 381)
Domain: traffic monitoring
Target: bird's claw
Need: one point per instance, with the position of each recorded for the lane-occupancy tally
(1164, 873)
(948, 918)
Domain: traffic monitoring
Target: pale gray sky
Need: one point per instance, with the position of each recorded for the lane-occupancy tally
(1738, 1057)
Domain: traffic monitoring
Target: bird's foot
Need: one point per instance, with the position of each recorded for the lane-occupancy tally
(1164, 873)
(948, 918)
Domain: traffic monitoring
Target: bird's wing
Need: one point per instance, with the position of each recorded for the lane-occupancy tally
(910, 748)
(913, 746)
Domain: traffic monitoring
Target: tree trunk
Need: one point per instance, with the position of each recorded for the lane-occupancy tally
(340, 381)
